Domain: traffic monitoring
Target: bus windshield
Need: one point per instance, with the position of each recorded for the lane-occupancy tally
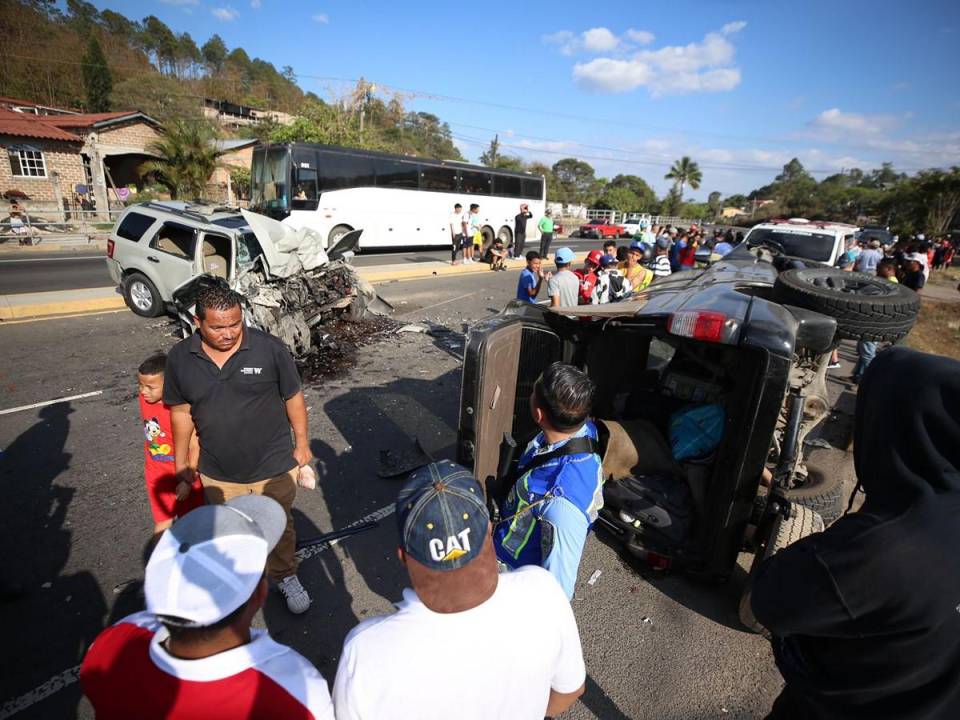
(269, 179)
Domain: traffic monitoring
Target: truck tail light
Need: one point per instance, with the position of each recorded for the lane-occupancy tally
(110, 248)
(706, 325)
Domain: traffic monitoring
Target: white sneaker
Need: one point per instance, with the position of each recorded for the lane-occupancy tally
(298, 601)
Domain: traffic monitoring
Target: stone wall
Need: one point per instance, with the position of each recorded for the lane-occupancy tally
(136, 135)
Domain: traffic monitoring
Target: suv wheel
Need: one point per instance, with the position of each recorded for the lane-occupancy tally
(141, 295)
(802, 522)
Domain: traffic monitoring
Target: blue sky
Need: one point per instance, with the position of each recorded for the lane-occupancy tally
(740, 86)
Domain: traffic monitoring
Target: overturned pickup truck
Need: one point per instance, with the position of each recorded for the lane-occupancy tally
(162, 254)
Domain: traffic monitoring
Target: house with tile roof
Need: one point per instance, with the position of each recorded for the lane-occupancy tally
(62, 160)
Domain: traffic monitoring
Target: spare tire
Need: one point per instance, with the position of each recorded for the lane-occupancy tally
(866, 307)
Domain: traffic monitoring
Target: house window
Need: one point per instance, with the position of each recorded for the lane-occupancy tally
(26, 162)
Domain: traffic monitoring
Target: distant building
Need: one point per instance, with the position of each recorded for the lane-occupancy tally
(237, 153)
(731, 212)
(64, 160)
(232, 115)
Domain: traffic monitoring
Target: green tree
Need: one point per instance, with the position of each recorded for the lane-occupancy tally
(214, 53)
(685, 172)
(795, 189)
(714, 206)
(491, 155)
(160, 42)
(188, 55)
(646, 197)
(737, 201)
(82, 16)
(618, 198)
(97, 81)
(240, 180)
(186, 158)
(576, 181)
(118, 25)
(672, 202)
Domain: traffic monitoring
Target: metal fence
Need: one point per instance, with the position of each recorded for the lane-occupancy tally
(32, 227)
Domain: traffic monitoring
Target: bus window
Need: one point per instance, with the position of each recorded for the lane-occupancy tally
(507, 186)
(438, 179)
(532, 188)
(474, 183)
(394, 174)
(340, 172)
(304, 189)
(270, 177)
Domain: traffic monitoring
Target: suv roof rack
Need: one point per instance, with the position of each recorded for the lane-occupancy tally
(183, 212)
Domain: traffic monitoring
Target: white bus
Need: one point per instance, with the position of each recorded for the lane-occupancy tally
(396, 200)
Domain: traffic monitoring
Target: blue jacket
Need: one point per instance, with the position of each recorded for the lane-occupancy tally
(550, 510)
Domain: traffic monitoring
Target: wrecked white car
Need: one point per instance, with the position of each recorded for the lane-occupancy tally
(162, 254)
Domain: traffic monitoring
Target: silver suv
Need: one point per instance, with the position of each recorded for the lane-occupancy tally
(157, 247)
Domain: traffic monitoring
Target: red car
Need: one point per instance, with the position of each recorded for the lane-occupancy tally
(601, 229)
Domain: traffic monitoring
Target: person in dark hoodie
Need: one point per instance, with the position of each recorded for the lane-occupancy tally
(865, 616)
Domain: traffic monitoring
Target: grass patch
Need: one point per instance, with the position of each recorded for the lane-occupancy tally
(949, 276)
(938, 329)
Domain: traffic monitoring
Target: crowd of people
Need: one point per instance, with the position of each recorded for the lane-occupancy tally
(614, 273)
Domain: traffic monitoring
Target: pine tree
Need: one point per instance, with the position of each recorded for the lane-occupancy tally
(96, 77)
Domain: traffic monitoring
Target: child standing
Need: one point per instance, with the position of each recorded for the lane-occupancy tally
(168, 498)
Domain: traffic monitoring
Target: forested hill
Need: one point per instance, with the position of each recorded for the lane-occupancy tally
(44, 52)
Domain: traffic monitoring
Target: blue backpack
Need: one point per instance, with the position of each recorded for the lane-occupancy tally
(696, 431)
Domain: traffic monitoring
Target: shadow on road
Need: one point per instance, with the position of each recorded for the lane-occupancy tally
(319, 634)
(599, 703)
(716, 601)
(49, 615)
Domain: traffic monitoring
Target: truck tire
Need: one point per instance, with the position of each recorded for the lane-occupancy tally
(803, 521)
(141, 295)
(865, 307)
(821, 493)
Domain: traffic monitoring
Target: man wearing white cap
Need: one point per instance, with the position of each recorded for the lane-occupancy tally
(193, 654)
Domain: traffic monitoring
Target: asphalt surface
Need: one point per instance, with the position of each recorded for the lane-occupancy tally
(77, 270)
(76, 520)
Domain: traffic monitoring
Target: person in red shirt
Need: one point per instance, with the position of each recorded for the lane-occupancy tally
(688, 254)
(168, 498)
(588, 276)
(193, 654)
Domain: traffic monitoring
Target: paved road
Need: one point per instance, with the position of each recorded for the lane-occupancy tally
(76, 270)
(76, 520)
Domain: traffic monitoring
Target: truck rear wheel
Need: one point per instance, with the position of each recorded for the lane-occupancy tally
(802, 522)
(866, 307)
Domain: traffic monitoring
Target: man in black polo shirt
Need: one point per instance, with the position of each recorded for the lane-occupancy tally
(240, 389)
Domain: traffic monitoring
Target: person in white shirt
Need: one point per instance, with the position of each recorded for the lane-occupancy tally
(611, 285)
(456, 233)
(452, 649)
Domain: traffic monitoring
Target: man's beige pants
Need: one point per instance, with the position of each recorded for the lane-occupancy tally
(282, 488)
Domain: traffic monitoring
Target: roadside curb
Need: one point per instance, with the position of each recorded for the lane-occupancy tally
(38, 305)
(43, 248)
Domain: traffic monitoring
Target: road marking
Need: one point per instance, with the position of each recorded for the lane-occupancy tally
(44, 318)
(56, 259)
(442, 302)
(71, 675)
(51, 402)
(376, 515)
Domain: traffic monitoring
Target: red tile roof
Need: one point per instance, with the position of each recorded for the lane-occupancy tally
(88, 120)
(32, 126)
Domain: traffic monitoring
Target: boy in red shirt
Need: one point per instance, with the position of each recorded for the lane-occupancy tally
(168, 498)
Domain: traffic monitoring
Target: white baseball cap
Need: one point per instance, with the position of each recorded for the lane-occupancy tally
(210, 561)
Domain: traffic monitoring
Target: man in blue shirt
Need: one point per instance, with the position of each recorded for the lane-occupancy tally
(551, 508)
(531, 278)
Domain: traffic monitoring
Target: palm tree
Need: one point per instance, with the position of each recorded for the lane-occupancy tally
(186, 156)
(685, 172)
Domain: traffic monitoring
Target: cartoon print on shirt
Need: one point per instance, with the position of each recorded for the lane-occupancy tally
(159, 452)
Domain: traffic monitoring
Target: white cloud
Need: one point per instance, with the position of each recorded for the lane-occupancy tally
(550, 146)
(598, 40)
(321, 18)
(641, 37)
(705, 66)
(255, 4)
(733, 27)
(834, 124)
(226, 14)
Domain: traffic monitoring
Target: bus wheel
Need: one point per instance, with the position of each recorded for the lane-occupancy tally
(487, 233)
(505, 236)
(338, 232)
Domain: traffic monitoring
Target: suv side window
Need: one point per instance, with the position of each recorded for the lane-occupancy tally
(134, 225)
(177, 240)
